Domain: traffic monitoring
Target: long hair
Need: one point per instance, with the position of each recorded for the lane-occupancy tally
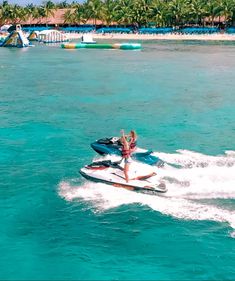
(133, 134)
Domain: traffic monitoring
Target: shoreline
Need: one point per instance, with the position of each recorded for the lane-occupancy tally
(152, 37)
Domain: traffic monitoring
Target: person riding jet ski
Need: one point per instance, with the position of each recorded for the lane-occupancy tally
(126, 152)
(113, 145)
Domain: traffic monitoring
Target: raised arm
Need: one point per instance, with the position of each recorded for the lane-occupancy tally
(123, 139)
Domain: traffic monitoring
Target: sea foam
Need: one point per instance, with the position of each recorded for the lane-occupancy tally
(195, 189)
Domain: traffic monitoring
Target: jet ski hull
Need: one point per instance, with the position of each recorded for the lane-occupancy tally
(116, 180)
(108, 146)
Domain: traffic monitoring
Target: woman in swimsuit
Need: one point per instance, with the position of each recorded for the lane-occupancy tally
(133, 140)
(126, 153)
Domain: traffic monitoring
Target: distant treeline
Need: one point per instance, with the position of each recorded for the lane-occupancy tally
(138, 13)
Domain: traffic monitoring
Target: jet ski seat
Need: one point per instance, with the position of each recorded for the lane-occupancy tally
(113, 140)
(106, 164)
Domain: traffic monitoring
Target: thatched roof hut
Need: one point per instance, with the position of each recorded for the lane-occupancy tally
(56, 19)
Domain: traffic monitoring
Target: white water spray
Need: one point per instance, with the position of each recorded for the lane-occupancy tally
(200, 177)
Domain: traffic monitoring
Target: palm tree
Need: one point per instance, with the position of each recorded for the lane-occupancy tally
(228, 10)
(69, 17)
(108, 12)
(62, 5)
(74, 4)
(36, 13)
(141, 12)
(5, 12)
(124, 12)
(49, 8)
(93, 10)
(159, 13)
(40, 13)
(81, 14)
(29, 9)
(1, 14)
(13, 13)
(22, 14)
(138, 12)
(179, 11)
(197, 11)
(213, 10)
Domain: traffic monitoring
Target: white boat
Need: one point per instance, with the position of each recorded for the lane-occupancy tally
(87, 39)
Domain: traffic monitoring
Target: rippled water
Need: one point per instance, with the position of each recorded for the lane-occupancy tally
(54, 102)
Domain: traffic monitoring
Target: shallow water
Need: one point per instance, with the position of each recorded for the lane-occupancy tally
(54, 102)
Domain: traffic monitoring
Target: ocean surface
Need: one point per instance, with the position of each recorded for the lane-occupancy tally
(55, 225)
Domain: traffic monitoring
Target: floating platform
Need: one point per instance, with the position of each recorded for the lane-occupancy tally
(87, 39)
(121, 46)
(52, 36)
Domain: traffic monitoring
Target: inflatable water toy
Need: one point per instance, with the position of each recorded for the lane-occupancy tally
(87, 39)
(16, 39)
(121, 46)
(33, 36)
(52, 36)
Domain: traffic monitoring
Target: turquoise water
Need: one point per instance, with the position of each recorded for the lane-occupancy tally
(180, 99)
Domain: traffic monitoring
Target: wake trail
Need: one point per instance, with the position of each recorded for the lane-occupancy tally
(194, 192)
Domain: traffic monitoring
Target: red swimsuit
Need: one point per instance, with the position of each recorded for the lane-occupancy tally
(125, 152)
(133, 145)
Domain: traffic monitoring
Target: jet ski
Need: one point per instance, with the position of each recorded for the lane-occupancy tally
(113, 146)
(112, 173)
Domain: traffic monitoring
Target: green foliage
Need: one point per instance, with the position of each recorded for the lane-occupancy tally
(125, 12)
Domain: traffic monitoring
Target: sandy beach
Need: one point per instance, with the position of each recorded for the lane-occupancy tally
(209, 37)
